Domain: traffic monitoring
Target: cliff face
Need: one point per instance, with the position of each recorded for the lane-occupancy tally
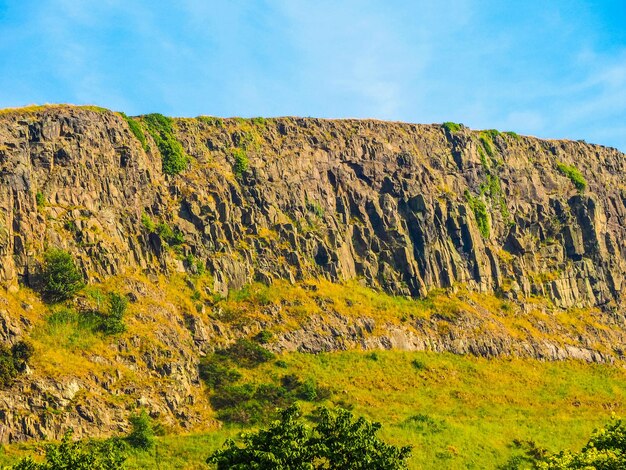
(514, 258)
(407, 208)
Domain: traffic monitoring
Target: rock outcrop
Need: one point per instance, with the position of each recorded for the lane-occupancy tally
(407, 208)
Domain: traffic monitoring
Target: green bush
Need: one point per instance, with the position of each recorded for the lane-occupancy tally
(216, 372)
(40, 199)
(148, 223)
(250, 402)
(246, 353)
(61, 279)
(574, 175)
(13, 361)
(173, 157)
(263, 337)
(515, 135)
(172, 237)
(142, 431)
(337, 441)
(78, 455)
(451, 127)
(605, 450)
(241, 161)
(135, 128)
(113, 321)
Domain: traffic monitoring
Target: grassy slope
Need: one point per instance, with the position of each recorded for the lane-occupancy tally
(457, 412)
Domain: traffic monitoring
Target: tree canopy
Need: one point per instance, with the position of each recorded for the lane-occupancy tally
(337, 441)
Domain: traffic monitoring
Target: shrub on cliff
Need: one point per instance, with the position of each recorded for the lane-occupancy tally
(574, 175)
(174, 159)
(337, 441)
(452, 127)
(61, 279)
(113, 321)
(13, 361)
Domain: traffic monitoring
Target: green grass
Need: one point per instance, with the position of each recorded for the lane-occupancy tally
(135, 128)
(481, 214)
(457, 412)
(173, 156)
(574, 175)
(452, 127)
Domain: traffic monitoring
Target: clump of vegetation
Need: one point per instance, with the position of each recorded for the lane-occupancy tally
(241, 161)
(606, 449)
(263, 337)
(195, 265)
(173, 237)
(316, 208)
(174, 159)
(142, 431)
(487, 143)
(112, 322)
(515, 135)
(135, 128)
(13, 361)
(492, 189)
(217, 372)
(60, 277)
(574, 175)
(148, 223)
(452, 127)
(73, 329)
(251, 402)
(247, 353)
(78, 455)
(211, 120)
(481, 214)
(40, 199)
(337, 441)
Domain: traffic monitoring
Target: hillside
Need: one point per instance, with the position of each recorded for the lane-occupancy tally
(328, 235)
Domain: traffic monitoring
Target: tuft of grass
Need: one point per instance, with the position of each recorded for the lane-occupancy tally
(574, 175)
(452, 127)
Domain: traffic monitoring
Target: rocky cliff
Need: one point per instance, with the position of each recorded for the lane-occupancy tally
(487, 219)
(407, 208)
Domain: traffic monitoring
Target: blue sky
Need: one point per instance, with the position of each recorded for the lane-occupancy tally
(551, 68)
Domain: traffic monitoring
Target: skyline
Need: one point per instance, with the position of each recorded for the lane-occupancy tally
(550, 69)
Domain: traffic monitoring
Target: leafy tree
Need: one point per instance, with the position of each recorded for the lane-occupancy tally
(337, 442)
(606, 450)
(78, 455)
(60, 276)
(142, 433)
